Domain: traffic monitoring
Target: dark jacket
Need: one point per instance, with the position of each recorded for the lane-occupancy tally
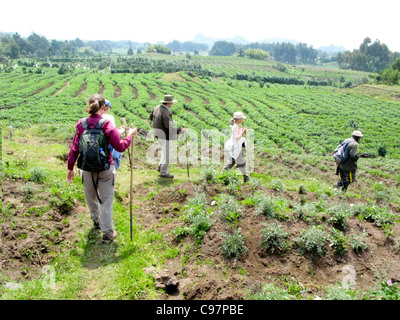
(162, 121)
(351, 163)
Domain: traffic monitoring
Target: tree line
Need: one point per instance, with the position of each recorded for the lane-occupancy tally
(370, 57)
(283, 52)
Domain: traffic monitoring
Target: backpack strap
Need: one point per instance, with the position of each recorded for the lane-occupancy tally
(99, 124)
(84, 123)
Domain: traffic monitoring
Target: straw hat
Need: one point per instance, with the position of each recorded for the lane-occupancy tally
(357, 134)
(238, 115)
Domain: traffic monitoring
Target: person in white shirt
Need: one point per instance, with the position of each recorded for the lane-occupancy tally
(235, 146)
(114, 153)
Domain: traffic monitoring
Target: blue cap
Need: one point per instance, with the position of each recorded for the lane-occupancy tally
(108, 103)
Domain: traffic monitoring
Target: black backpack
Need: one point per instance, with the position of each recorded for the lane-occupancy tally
(91, 157)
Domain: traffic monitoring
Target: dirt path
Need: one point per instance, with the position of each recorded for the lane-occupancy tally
(66, 85)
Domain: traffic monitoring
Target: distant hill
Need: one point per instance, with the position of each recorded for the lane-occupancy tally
(331, 49)
(201, 38)
(278, 40)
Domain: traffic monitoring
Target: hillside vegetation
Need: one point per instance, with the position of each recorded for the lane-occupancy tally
(286, 234)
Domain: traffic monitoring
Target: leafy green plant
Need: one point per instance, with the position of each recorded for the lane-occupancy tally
(229, 209)
(274, 238)
(181, 232)
(38, 175)
(276, 185)
(209, 175)
(339, 292)
(339, 214)
(28, 190)
(302, 189)
(270, 291)
(312, 241)
(373, 213)
(234, 245)
(358, 244)
(338, 241)
(265, 205)
(229, 177)
(293, 285)
(200, 225)
(388, 290)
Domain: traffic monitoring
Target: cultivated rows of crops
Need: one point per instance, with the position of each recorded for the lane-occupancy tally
(296, 118)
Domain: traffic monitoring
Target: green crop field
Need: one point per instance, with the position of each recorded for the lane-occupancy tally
(297, 118)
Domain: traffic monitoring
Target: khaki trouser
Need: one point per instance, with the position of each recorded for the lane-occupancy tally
(100, 212)
(165, 155)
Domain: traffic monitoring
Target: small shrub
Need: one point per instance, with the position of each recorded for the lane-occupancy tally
(373, 213)
(312, 241)
(274, 238)
(28, 190)
(277, 185)
(181, 232)
(388, 290)
(270, 291)
(234, 245)
(338, 217)
(339, 292)
(302, 189)
(229, 209)
(209, 175)
(38, 175)
(265, 205)
(358, 244)
(200, 225)
(382, 151)
(338, 241)
(228, 177)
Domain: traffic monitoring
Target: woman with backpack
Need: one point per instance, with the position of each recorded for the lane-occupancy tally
(235, 146)
(98, 176)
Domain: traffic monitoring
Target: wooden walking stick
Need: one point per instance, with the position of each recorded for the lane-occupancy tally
(131, 187)
(123, 121)
(187, 156)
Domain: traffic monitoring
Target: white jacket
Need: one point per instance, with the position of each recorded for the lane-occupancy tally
(233, 146)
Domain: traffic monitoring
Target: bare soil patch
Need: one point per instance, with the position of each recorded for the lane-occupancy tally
(81, 89)
(66, 85)
(117, 92)
(32, 233)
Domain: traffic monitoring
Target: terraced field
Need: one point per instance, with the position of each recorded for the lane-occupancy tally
(297, 118)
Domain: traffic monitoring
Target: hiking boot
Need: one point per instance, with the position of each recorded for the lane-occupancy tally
(109, 238)
(246, 178)
(167, 175)
(96, 224)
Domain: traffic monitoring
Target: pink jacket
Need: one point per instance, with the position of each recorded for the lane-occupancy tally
(111, 133)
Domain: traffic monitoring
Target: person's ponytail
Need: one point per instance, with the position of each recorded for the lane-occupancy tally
(96, 101)
(232, 122)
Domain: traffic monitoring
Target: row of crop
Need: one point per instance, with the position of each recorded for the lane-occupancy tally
(297, 119)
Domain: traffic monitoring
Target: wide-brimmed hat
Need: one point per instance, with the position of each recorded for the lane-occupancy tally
(238, 115)
(168, 99)
(108, 103)
(357, 134)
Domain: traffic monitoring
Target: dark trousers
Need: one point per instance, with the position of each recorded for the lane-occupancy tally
(346, 177)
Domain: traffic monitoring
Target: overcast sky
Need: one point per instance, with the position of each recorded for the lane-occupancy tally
(315, 22)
